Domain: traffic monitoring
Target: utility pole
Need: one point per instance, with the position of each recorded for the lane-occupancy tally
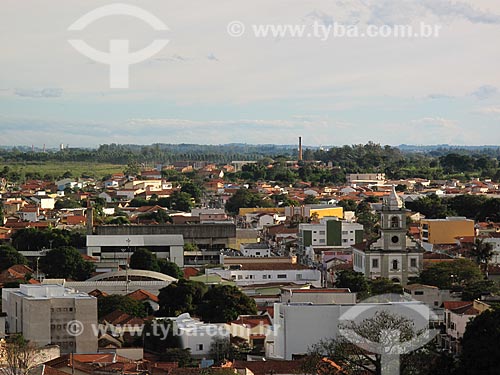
(127, 265)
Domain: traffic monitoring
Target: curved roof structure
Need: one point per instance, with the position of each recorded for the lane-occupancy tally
(133, 275)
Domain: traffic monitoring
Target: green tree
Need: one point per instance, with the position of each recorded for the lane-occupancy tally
(193, 190)
(143, 259)
(153, 342)
(181, 201)
(384, 286)
(181, 297)
(482, 252)
(9, 257)
(66, 262)
(355, 281)
(67, 203)
(348, 204)
(118, 220)
(223, 303)
(455, 274)
(133, 169)
(189, 246)
(181, 356)
(170, 268)
(244, 198)
(114, 302)
(310, 199)
(431, 206)
(367, 218)
(160, 216)
(480, 350)
(475, 289)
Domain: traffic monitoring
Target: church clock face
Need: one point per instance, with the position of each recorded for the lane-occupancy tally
(395, 239)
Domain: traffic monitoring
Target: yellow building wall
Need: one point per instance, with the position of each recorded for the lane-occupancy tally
(445, 232)
(272, 210)
(330, 211)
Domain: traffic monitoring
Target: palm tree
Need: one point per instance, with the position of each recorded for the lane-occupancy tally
(482, 252)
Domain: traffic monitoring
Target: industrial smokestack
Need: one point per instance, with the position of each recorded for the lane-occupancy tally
(300, 148)
(90, 217)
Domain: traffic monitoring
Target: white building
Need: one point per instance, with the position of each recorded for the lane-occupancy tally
(299, 326)
(340, 296)
(119, 247)
(255, 250)
(196, 335)
(41, 313)
(250, 274)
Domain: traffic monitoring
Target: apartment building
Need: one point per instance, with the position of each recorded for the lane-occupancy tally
(445, 231)
(46, 314)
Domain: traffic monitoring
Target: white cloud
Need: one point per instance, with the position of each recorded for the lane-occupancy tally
(485, 92)
(489, 110)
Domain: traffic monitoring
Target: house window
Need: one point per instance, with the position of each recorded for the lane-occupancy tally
(240, 277)
(345, 232)
(413, 262)
(394, 264)
(322, 232)
(200, 347)
(374, 263)
(419, 292)
(264, 277)
(344, 240)
(322, 240)
(257, 253)
(281, 276)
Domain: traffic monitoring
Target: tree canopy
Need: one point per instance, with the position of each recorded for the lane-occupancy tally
(216, 304)
(66, 262)
(9, 257)
(144, 259)
(480, 350)
(448, 275)
(170, 268)
(114, 302)
(223, 303)
(244, 198)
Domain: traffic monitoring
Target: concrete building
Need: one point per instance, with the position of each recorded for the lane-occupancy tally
(430, 295)
(394, 255)
(366, 178)
(250, 274)
(318, 210)
(119, 248)
(318, 296)
(299, 326)
(456, 316)
(3, 317)
(329, 232)
(198, 336)
(41, 313)
(445, 231)
(255, 250)
(208, 237)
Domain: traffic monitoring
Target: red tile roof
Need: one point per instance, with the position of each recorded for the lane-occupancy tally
(452, 305)
(253, 321)
(270, 367)
(143, 295)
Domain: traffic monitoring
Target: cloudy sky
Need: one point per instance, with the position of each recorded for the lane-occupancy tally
(207, 86)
